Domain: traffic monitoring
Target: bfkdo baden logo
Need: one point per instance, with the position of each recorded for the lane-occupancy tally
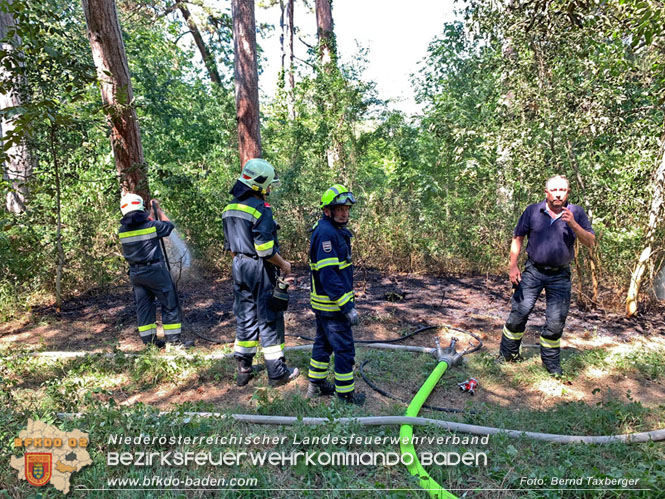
(51, 455)
(37, 468)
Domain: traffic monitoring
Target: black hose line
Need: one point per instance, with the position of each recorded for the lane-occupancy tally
(406, 401)
(211, 340)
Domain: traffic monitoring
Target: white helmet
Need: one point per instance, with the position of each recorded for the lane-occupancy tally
(258, 174)
(131, 202)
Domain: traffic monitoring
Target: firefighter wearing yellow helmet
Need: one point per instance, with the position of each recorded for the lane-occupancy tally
(250, 234)
(332, 298)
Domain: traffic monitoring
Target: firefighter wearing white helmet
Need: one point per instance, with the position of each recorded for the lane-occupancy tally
(332, 298)
(250, 234)
(139, 234)
(258, 175)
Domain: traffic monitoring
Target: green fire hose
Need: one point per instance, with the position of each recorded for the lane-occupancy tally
(447, 357)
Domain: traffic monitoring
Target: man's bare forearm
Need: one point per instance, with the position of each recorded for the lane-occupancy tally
(515, 249)
(586, 238)
(278, 261)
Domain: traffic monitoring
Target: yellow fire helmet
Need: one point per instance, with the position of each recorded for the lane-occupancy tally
(337, 195)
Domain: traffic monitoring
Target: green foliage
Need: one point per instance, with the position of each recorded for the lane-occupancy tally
(579, 95)
(511, 96)
(188, 133)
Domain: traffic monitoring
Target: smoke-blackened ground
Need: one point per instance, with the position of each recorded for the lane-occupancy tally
(390, 306)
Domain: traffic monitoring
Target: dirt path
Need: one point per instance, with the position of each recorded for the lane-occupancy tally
(390, 306)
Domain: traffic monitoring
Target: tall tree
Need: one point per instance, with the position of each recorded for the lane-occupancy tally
(246, 77)
(208, 58)
(328, 63)
(326, 34)
(18, 162)
(286, 38)
(108, 52)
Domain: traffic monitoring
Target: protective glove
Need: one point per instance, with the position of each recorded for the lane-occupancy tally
(353, 317)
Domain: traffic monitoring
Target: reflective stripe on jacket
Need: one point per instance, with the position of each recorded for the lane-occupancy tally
(249, 228)
(140, 237)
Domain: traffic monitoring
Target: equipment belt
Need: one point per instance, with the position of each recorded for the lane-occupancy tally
(145, 264)
(248, 255)
(547, 268)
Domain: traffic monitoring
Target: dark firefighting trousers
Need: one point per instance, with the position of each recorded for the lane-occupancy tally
(333, 334)
(557, 295)
(151, 282)
(256, 317)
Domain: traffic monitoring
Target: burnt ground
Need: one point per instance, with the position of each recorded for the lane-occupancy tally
(390, 306)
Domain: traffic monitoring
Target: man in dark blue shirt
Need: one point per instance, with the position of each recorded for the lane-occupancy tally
(551, 227)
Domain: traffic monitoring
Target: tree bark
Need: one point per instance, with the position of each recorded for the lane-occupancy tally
(108, 52)
(326, 33)
(58, 225)
(655, 214)
(18, 159)
(246, 80)
(286, 39)
(208, 59)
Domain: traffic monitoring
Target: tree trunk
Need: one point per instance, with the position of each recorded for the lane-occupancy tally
(328, 62)
(246, 80)
(18, 160)
(108, 52)
(326, 34)
(208, 59)
(286, 39)
(58, 225)
(655, 214)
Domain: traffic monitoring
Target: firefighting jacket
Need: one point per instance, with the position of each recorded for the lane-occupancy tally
(140, 237)
(331, 269)
(249, 228)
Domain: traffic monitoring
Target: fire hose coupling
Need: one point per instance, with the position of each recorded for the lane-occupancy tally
(448, 355)
(470, 385)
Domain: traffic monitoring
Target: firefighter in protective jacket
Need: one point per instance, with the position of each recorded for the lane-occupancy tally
(250, 233)
(139, 233)
(332, 298)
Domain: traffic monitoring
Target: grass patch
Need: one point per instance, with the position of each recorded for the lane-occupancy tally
(36, 388)
(649, 364)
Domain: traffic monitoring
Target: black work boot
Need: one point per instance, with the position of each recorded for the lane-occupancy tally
(246, 371)
(315, 390)
(551, 358)
(290, 374)
(153, 340)
(353, 397)
(245, 377)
